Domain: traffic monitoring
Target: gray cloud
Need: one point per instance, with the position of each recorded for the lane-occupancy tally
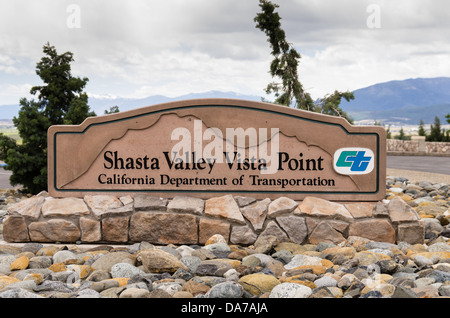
(179, 46)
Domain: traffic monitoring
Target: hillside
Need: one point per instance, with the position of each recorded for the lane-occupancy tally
(99, 105)
(406, 102)
(403, 102)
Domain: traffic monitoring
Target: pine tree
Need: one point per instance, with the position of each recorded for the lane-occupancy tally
(60, 101)
(401, 135)
(435, 131)
(421, 130)
(112, 110)
(290, 91)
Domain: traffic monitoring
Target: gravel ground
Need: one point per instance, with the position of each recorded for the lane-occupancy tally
(414, 176)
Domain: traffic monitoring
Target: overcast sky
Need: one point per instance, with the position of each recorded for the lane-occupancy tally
(141, 48)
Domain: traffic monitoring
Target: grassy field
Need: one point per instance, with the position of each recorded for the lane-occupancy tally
(10, 131)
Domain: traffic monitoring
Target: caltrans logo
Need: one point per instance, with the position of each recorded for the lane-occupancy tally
(354, 161)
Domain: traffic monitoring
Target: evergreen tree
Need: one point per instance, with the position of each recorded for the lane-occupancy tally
(402, 135)
(6, 143)
(435, 131)
(290, 91)
(388, 132)
(112, 110)
(421, 130)
(60, 101)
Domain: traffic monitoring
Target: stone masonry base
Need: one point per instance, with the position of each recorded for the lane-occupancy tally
(188, 220)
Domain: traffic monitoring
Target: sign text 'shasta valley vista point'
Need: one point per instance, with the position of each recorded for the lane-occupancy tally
(207, 147)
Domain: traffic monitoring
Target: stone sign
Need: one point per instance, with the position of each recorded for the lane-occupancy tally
(211, 147)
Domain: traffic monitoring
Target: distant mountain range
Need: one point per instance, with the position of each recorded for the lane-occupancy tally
(402, 102)
(395, 102)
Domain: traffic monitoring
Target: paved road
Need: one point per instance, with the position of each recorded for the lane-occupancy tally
(439, 165)
(4, 179)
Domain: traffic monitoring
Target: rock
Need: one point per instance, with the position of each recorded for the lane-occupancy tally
(163, 228)
(66, 257)
(7, 260)
(226, 290)
(191, 262)
(181, 204)
(257, 284)
(422, 261)
(40, 262)
(380, 210)
(280, 206)
(386, 290)
(326, 281)
(346, 281)
(159, 261)
(244, 201)
(217, 247)
(107, 261)
(411, 233)
(88, 293)
(195, 288)
(360, 209)
(170, 287)
(265, 243)
(101, 205)
(208, 228)
(15, 229)
(90, 230)
(104, 284)
(295, 227)
(387, 266)
(290, 290)
(242, 235)
(212, 268)
(31, 247)
(346, 256)
(144, 202)
(283, 256)
(215, 239)
(272, 229)
(374, 229)
(182, 294)
(366, 258)
(439, 247)
(256, 213)
(64, 207)
(347, 251)
(444, 290)
(29, 208)
(400, 211)
(404, 292)
(312, 206)
(321, 292)
(115, 229)
(324, 232)
(18, 293)
(224, 207)
(135, 293)
(125, 270)
(7, 280)
(428, 291)
(302, 260)
(54, 230)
